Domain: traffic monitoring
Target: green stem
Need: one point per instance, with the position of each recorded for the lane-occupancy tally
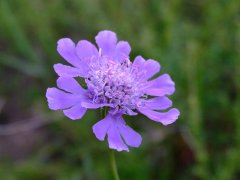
(113, 165)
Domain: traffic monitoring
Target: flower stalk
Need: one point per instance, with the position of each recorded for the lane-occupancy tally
(103, 113)
(113, 164)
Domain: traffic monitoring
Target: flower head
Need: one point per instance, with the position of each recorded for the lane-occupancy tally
(112, 81)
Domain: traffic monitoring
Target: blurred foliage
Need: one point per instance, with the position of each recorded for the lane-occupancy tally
(197, 42)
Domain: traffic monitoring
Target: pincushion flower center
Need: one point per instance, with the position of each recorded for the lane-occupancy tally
(113, 82)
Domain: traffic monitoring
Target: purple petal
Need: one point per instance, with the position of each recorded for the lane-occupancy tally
(114, 139)
(116, 129)
(76, 112)
(91, 105)
(122, 51)
(165, 118)
(70, 85)
(86, 50)
(58, 99)
(131, 137)
(63, 70)
(106, 41)
(101, 127)
(66, 48)
(151, 67)
(138, 62)
(123, 47)
(158, 103)
(163, 85)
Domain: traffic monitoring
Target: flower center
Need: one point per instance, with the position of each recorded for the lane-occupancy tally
(114, 83)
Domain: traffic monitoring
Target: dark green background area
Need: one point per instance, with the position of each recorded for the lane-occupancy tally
(197, 43)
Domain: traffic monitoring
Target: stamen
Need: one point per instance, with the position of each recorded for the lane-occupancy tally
(116, 83)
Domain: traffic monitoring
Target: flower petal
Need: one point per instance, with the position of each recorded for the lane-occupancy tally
(86, 50)
(122, 51)
(101, 127)
(138, 62)
(131, 137)
(106, 41)
(116, 129)
(163, 85)
(165, 118)
(63, 70)
(58, 99)
(114, 139)
(66, 48)
(151, 67)
(69, 84)
(123, 47)
(158, 103)
(75, 112)
(90, 105)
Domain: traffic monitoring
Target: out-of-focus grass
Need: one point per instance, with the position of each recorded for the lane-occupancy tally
(197, 42)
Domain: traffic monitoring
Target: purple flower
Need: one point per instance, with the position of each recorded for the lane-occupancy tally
(112, 81)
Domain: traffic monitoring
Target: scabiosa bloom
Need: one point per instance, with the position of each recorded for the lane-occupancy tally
(112, 81)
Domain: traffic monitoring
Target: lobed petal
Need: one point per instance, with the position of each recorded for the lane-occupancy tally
(75, 112)
(58, 99)
(66, 48)
(151, 67)
(63, 70)
(123, 47)
(131, 137)
(161, 86)
(106, 41)
(115, 141)
(115, 127)
(138, 62)
(101, 127)
(86, 50)
(165, 118)
(122, 52)
(158, 103)
(69, 84)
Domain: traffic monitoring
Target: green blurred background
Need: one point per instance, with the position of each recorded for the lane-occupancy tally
(197, 43)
